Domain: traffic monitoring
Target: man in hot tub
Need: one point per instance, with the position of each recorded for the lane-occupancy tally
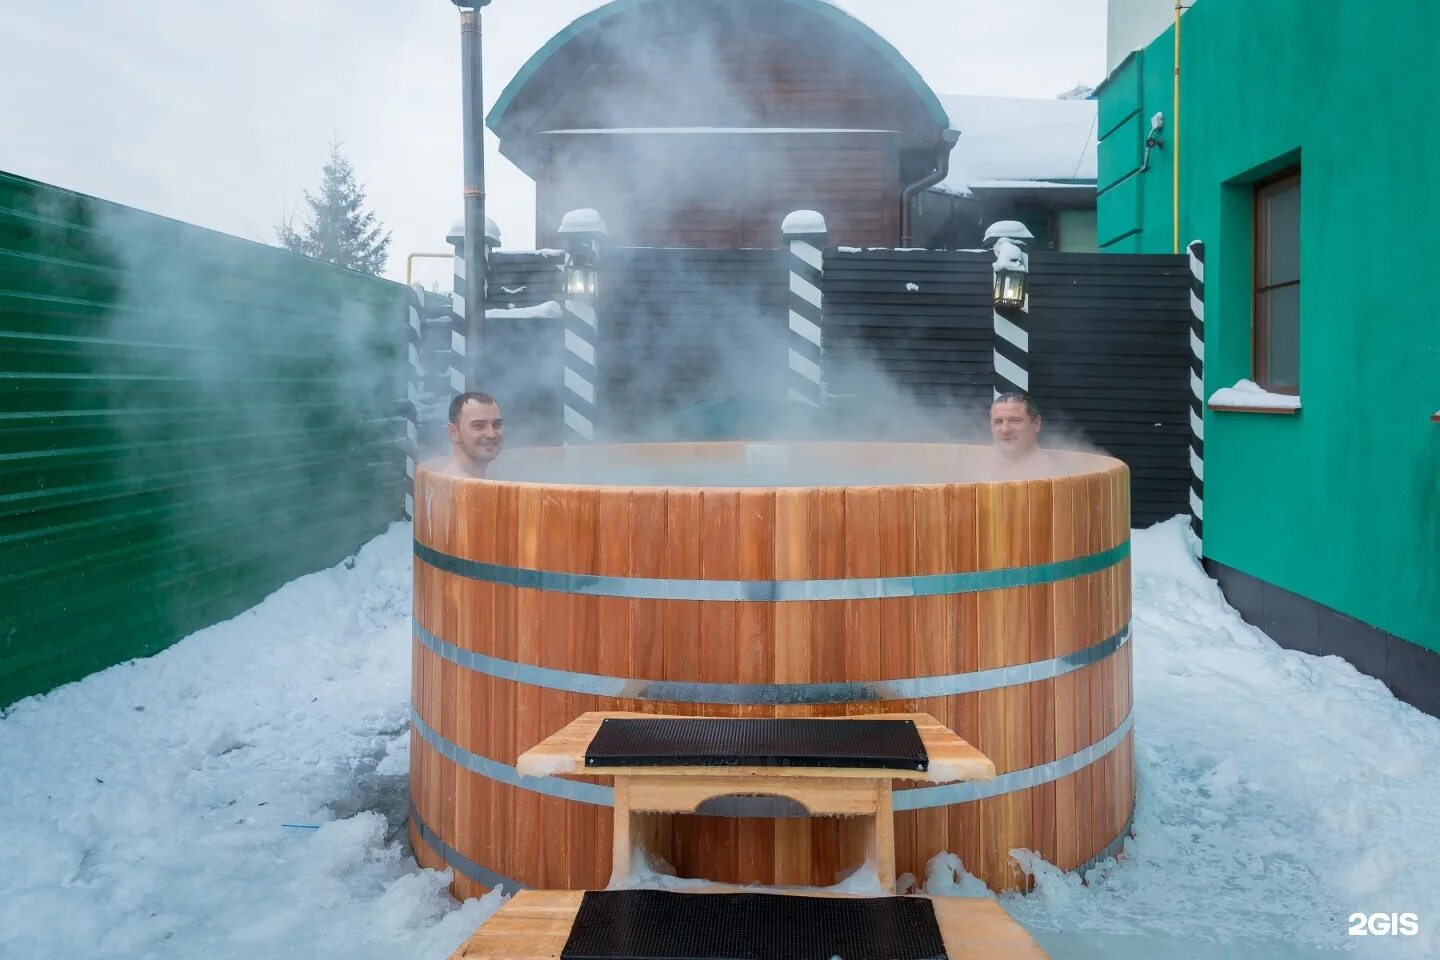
(1015, 430)
(477, 432)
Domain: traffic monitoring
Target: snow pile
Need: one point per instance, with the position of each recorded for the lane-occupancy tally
(549, 310)
(1005, 141)
(239, 795)
(803, 222)
(1248, 393)
(649, 871)
(584, 220)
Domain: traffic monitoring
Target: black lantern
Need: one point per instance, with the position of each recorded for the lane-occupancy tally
(584, 233)
(1012, 265)
(582, 280)
(1010, 286)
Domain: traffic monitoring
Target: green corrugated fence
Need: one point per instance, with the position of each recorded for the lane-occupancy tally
(187, 421)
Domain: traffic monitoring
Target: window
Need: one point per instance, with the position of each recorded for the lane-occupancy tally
(1078, 233)
(1277, 283)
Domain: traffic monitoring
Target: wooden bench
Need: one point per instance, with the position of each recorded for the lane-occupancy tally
(536, 924)
(643, 794)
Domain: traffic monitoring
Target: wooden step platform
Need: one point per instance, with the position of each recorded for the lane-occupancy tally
(644, 795)
(536, 924)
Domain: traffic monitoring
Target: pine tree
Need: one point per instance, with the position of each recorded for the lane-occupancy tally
(338, 229)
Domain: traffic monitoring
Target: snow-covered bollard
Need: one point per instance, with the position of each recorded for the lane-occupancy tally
(1197, 388)
(805, 233)
(456, 239)
(1012, 323)
(584, 235)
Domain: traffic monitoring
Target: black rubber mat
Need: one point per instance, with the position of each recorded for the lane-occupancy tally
(661, 925)
(789, 742)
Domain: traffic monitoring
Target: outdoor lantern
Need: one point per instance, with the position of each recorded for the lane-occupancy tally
(581, 279)
(1010, 284)
(1012, 265)
(584, 234)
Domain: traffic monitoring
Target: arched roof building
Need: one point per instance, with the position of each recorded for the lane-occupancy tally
(701, 123)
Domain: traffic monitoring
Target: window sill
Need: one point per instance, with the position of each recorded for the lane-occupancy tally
(1249, 397)
(1236, 408)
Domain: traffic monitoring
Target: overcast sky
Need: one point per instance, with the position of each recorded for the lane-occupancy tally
(219, 112)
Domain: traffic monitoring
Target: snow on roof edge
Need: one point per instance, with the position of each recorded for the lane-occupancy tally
(1018, 140)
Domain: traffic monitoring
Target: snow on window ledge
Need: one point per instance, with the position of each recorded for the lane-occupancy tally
(1247, 396)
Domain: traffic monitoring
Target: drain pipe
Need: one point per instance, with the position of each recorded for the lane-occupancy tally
(909, 193)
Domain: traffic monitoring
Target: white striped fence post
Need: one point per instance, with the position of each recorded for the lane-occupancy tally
(805, 235)
(414, 385)
(584, 233)
(456, 239)
(1197, 388)
(1011, 364)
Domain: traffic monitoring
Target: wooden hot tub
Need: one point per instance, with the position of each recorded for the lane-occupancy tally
(1002, 608)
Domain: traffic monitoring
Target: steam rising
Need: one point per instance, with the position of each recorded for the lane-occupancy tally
(706, 359)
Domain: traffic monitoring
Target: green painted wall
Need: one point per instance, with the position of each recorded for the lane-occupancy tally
(1342, 502)
(1134, 207)
(187, 421)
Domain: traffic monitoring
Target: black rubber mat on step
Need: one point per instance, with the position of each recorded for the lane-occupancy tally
(797, 742)
(661, 925)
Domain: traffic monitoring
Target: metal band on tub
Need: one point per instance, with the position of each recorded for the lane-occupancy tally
(462, 864)
(771, 694)
(774, 591)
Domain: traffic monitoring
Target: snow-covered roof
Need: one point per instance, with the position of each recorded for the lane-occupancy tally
(1020, 142)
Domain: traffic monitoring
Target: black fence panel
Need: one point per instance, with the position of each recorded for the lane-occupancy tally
(525, 278)
(523, 365)
(909, 330)
(1109, 363)
(693, 345)
(681, 329)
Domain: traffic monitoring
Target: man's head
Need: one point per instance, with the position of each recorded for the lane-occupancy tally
(1015, 425)
(476, 431)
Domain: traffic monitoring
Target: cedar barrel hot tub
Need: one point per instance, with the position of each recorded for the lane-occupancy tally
(1000, 607)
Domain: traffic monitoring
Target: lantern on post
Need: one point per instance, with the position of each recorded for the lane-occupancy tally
(581, 277)
(1012, 264)
(583, 232)
(1012, 306)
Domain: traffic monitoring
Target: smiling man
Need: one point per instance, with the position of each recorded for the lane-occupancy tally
(477, 433)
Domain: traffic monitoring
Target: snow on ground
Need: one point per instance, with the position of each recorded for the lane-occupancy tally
(1278, 793)
(148, 810)
(242, 794)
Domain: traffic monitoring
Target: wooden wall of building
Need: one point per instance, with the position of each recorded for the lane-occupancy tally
(847, 122)
(724, 191)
